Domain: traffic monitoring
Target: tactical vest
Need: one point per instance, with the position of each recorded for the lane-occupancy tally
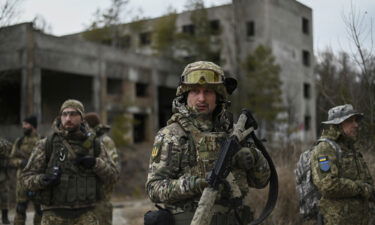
(78, 186)
(205, 147)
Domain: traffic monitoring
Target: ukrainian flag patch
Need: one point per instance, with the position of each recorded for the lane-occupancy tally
(324, 163)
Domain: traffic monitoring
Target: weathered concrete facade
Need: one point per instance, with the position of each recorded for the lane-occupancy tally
(135, 81)
(47, 70)
(286, 27)
(283, 25)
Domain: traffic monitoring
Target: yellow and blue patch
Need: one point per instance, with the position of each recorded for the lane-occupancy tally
(324, 164)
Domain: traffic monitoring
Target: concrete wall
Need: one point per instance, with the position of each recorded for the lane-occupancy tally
(39, 55)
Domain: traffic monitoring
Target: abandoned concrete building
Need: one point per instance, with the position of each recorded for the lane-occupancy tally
(39, 72)
(45, 70)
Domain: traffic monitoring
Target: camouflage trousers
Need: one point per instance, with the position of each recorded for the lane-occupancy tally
(52, 217)
(186, 217)
(4, 195)
(103, 211)
(23, 201)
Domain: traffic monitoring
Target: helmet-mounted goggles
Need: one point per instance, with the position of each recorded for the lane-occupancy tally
(202, 77)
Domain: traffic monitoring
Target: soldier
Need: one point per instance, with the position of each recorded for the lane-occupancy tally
(104, 208)
(67, 169)
(5, 149)
(184, 151)
(341, 175)
(19, 156)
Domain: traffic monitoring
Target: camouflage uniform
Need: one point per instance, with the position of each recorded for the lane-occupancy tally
(5, 149)
(185, 151)
(343, 179)
(72, 199)
(104, 208)
(20, 154)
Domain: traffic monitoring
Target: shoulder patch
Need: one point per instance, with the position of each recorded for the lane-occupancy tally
(156, 147)
(324, 163)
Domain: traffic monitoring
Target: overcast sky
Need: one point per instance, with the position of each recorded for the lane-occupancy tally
(71, 16)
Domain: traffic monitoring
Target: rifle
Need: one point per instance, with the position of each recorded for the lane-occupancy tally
(221, 173)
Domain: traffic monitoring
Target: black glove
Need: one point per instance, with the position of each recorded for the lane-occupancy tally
(24, 163)
(3, 163)
(30, 194)
(86, 161)
(52, 177)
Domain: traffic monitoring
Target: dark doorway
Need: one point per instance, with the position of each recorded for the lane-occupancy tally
(165, 98)
(139, 128)
(58, 87)
(10, 97)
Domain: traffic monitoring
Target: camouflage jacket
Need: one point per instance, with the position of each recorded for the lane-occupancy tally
(104, 169)
(22, 149)
(111, 149)
(174, 159)
(5, 149)
(339, 178)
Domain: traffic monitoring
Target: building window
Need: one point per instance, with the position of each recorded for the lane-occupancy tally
(188, 29)
(306, 90)
(305, 26)
(306, 58)
(250, 28)
(145, 38)
(215, 27)
(307, 123)
(114, 86)
(125, 42)
(139, 128)
(107, 41)
(141, 89)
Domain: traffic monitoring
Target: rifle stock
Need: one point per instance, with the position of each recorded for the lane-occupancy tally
(221, 171)
(204, 213)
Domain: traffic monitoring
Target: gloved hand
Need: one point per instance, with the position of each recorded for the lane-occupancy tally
(30, 194)
(192, 184)
(24, 163)
(52, 177)
(244, 159)
(86, 161)
(367, 191)
(239, 128)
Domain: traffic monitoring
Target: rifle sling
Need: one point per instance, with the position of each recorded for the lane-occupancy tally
(274, 185)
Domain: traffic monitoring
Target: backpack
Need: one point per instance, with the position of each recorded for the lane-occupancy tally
(307, 192)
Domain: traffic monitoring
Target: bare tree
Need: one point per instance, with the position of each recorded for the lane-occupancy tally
(8, 11)
(105, 25)
(360, 31)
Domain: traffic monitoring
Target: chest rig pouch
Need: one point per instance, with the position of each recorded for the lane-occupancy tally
(207, 146)
(77, 186)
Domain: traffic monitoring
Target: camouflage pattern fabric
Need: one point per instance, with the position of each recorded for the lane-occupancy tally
(21, 152)
(52, 218)
(104, 212)
(104, 208)
(104, 169)
(4, 195)
(5, 149)
(203, 65)
(345, 185)
(177, 158)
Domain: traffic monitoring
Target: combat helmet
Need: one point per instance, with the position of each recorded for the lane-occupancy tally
(206, 73)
